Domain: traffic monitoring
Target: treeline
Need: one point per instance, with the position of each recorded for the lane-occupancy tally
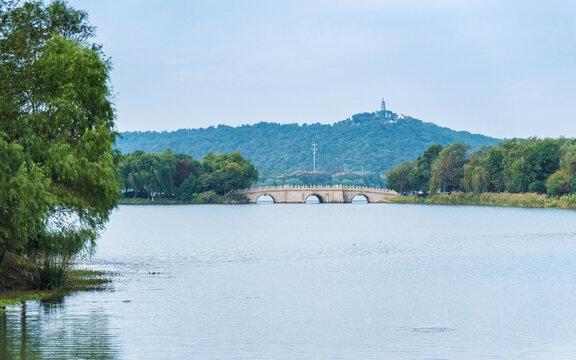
(180, 177)
(543, 166)
(298, 178)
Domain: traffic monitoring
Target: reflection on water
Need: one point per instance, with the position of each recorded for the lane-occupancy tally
(359, 199)
(44, 330)
(265, 199)
(333, 281)
(313, 199)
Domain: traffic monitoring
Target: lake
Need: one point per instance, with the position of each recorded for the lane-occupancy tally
(317, 281)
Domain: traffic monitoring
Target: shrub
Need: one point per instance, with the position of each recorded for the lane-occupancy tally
(51, 275)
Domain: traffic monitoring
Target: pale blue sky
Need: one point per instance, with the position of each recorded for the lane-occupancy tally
(503, 68)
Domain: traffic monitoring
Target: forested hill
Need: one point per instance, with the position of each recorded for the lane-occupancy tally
(376, 141)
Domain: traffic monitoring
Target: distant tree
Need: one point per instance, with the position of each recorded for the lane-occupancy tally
(568, 161)
(163, 170)
(447, 169)
(185, 167)
(568, 156)
(188, 190)
(559, 183)
(399, 178)
(269, 182)
(179, 176)
(293, 182)
(422, 172)
(529, 163)
(495, 167)
(476, 177)
(225, 172)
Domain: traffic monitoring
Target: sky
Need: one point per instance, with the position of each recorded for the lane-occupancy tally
(503, 68)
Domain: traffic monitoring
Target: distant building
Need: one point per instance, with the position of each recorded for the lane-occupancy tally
(383, 112)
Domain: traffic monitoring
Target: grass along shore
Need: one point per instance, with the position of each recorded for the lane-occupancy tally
(202, 199)
(78, 280)
(16, 274)
(524, 200)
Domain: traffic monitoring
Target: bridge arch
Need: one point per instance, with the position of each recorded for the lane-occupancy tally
(325, 194)
(308, 196)
(262, 198)
(359, 197)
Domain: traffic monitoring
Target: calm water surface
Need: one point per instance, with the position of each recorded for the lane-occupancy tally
(329, 281)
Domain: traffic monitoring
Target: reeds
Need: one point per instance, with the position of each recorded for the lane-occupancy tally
(526, 200)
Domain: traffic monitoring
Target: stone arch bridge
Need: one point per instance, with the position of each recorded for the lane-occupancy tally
(325, 194)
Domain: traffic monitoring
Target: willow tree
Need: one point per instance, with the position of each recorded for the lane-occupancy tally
(57, 177)
(447, 169)
(476, 177)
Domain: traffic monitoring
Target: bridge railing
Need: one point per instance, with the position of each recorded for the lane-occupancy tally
(314, 187)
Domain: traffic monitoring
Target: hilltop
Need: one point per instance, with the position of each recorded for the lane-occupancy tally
(373, 141)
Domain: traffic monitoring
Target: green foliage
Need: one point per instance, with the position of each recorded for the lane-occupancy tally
(225, 172)
(178, 176)
(188, 190)
(207, 197)
(399, 178)
(422, 172)
(300, 178)
(559, 182)
(495, 167)
(528, 163)
(526, 200)
(368, 141)
(57, 176)
(185, 166)
(306, 178)
(51, 276)
(55, 285)
(513, 166)
(476, 177)
(447, 169)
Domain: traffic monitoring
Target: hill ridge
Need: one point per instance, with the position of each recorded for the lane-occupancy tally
(375, 141)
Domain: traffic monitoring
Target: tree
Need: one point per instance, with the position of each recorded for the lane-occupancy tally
(188, 190)
(476, 177)
(447, 169)
(225, 172)
(559, 183)
(494, 166)
(58, 183)
(185, 167)
(420, 175)
(528, 163)
(399, 178)
(163, 169)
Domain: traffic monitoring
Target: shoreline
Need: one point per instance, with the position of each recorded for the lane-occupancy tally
(16, 286)
(80, 280)
(175, 202)
(521, 200)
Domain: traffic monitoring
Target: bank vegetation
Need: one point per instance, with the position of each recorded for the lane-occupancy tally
(518, 172)
(167, 178)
